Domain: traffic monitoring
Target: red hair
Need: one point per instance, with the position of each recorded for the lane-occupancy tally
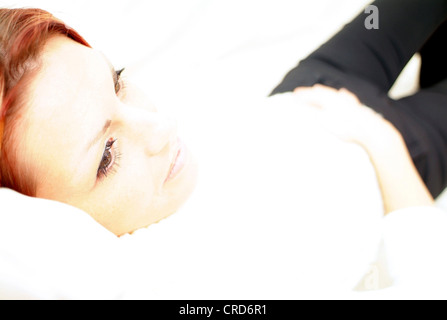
(23, 34)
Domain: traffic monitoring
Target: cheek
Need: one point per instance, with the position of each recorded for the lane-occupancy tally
(136, 182)
(133, 197)
(126, 204)
(139, 183)
(141, 173)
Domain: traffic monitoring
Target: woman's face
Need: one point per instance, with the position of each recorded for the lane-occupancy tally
(98, 147)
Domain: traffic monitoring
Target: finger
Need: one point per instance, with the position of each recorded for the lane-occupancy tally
(319, 86)
(307, 96)
(325, 97)
(323, 89)
(349, 95)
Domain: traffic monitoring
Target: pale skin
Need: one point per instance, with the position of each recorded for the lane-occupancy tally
(76, 121)
(106, 152)
(345, 116)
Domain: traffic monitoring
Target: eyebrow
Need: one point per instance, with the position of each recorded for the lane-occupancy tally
(112, 68)
(108, 122)
(100, 134)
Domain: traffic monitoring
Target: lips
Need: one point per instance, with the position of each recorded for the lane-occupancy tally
(178, 161)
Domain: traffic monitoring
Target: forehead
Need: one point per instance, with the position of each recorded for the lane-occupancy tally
(67, 68)
(66, 93)
(66, 101)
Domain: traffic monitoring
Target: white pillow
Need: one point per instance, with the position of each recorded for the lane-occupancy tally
(415, 246)
(50, 250)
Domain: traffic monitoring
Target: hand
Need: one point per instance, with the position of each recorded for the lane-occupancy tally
(342, 113)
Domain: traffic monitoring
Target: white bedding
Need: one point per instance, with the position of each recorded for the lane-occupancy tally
(309, 228)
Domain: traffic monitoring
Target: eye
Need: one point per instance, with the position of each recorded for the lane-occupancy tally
(109, 159)
(118, 81)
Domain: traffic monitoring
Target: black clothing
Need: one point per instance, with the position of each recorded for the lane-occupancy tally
(368, 61)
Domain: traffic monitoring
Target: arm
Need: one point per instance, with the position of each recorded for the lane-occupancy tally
(343, 114)
(398, 178)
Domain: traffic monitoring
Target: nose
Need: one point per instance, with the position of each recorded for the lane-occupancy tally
(153, 129)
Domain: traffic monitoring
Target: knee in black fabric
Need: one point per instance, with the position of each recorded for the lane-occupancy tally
(433, 58)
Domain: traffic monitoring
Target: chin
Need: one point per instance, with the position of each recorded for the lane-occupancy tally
(177, 194)
(182, 188)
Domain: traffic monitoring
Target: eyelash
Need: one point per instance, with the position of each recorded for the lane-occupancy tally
(119, 84)
(109, 160)
(110, 156)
